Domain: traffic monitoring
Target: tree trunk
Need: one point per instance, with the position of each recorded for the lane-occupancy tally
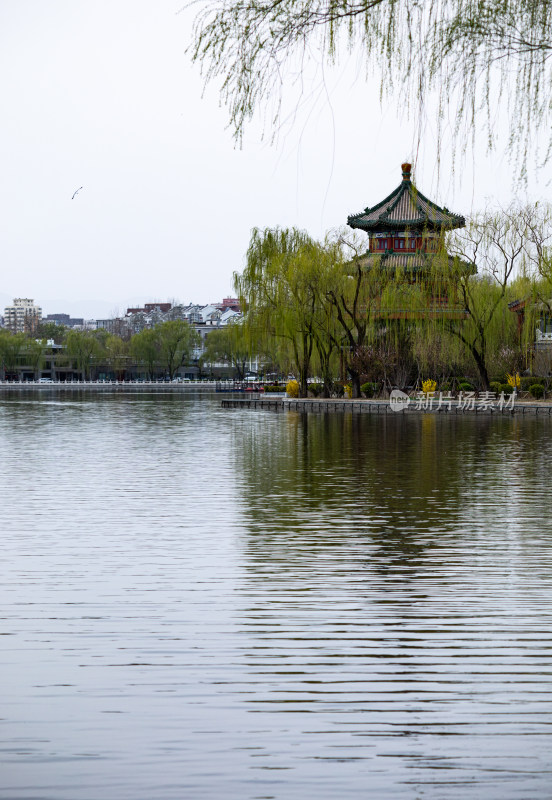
(355, 384)
(240, 369)
(303, 385)
(303, 366)
(327, 382)
(481, 367)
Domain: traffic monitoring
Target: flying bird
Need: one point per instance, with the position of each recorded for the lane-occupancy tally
(76, 193)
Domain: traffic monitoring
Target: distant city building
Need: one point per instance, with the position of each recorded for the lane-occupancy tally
(115, 326)
(65, 319)
(149, 307)
(152, 314)
(23, 317)
(202, 317)
(230, 302)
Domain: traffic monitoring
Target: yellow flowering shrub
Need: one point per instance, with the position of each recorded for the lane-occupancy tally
(292, 389)
(348, 390)
(514, 380)
(429, 386)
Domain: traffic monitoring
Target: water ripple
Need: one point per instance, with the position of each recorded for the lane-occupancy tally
(203, 603)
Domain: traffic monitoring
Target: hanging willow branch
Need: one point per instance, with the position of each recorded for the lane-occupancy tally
(474, 54)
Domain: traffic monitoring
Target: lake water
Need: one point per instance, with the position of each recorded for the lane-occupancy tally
(199, 603)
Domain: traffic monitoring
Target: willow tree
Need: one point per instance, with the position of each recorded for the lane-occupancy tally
(177, 341)
(229, 345)
(12, 346)
(498, 244)
(117, 352)
(51, 330)
(35, 354)
(144, 347)
(84, 348)
(471, 53)
(361, 288)
(327, 331)
(538, 249)
(282, 289)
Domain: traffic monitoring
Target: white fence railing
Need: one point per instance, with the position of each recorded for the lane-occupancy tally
(187, 382)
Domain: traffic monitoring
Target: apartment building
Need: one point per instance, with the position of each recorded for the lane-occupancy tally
(24, 316)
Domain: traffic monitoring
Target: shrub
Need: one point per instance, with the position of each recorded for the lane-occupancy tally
(514, 380)
(537, 390)
(506, 388)
(531, 380)
(315, 389)
(368, 389)
(292, 389)
(445, 387)
(338, 389)
(429, 385)
(348, 390)
(272, 388)
(463, 382)
(495, 387)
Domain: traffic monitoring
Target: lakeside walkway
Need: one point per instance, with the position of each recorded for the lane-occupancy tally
(279, 403)
(344, 406)
(69, 386)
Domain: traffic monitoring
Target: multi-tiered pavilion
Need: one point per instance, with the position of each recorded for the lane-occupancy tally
(406, 238)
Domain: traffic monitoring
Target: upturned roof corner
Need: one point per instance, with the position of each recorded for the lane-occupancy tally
(406, 208)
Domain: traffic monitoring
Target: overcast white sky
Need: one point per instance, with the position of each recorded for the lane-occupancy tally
(102, 95)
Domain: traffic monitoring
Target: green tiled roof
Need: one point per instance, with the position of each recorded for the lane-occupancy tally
(414, 262)
(406, 208)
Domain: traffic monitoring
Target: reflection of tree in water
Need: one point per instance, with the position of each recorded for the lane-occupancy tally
(377, 490)
(369, 613)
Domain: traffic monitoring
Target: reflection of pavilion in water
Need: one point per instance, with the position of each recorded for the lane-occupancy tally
(343, 492)
(376, 640)
(340, 497)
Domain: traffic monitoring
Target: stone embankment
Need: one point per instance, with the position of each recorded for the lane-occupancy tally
(384, 407)
(107, 386)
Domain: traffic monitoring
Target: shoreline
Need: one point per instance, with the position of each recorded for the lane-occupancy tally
(279, 403)
(127, 386)
(365, 406)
